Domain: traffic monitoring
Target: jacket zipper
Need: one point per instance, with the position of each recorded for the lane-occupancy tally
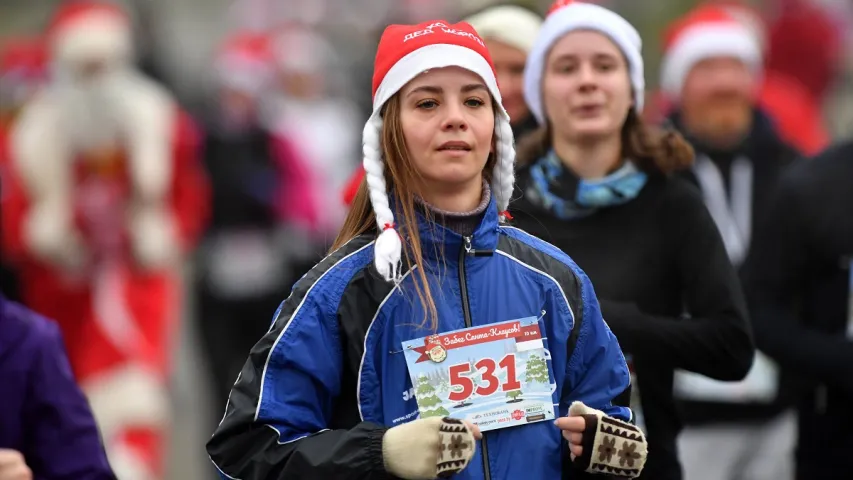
(466, 311)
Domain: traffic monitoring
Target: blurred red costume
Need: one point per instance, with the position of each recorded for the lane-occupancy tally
(98, 234)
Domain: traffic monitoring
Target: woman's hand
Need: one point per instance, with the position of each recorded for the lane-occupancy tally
(573, 427)
(429, 447)
(602, 444)
(13, 466)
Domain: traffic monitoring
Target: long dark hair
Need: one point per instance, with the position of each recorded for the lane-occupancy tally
(652, 148)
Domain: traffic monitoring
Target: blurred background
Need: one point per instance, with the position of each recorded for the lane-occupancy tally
(272, 86)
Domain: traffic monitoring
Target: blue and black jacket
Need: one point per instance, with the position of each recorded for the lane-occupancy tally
(320, 389)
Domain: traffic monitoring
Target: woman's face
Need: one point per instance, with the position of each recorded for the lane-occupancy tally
(585, 87)
(448, 120)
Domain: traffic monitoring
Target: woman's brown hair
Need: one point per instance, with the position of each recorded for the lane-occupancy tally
(403, 180)
(650, 147)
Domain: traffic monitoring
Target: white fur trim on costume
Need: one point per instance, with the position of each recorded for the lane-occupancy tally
(703, 42)
(40, 157)
(50, 236)
(148, 118)
(388, 247)
(99, 35)
(127, 464)
(583, 16)
(154, 237)
(43, 155)
(125, 396)
(513, 25)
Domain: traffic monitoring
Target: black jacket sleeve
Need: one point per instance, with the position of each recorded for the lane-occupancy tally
(715, 340)
(776, 270)
(276, 423)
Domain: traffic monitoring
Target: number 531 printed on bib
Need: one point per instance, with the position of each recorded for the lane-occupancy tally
(495, 376)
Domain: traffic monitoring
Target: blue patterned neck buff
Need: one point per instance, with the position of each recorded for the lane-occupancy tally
(558, 190)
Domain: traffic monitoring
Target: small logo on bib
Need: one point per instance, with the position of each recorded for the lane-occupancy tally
(435, 351)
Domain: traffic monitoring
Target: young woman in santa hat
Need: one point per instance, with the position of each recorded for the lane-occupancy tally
(596, 182)
(327, 392)
(508, 32)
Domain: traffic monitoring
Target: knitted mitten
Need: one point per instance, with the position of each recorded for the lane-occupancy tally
(428, 448)
(610, 446)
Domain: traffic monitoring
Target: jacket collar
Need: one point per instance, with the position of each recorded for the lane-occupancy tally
(440, 244)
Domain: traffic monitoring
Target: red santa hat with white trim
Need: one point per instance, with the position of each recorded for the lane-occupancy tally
(566, 16)
(406, 51)
(83, 29)
(41, 141)
(706, 32)
(246, 62)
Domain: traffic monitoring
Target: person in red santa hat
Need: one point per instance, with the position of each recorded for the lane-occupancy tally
(712, 71)
(783, 97)
(328, 392)
(262, 196)
(305, 109)
(114, 194)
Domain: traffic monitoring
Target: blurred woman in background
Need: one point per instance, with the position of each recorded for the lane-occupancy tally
(596, 182)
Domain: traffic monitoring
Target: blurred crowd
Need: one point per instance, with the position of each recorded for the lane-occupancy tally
(130, 198)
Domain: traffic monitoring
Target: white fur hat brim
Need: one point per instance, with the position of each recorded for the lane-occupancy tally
(510, 24)
(703, 42)
(98, 35)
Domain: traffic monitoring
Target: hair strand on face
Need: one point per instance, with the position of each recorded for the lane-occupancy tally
(650, 147)
(405, 183)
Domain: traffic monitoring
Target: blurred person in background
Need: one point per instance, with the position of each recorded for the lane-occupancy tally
(112, 194)
(509, 32)
(260, 187)
(22, 73)
(795, 112)
(601, 185)
(319, 124)
(806, 45)
(711, 73)
(47, 431)
(799, 279)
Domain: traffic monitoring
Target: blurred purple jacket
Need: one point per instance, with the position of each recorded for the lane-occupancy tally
(43, 413)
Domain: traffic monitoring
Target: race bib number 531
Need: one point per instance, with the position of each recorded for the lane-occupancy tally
(495, 376)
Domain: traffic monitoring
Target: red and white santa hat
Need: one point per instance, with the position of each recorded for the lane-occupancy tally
(83, 29)
(301, 49)
(567, 16)
(246, 62)
(406, 51)
(516, 26)
(706, 32)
